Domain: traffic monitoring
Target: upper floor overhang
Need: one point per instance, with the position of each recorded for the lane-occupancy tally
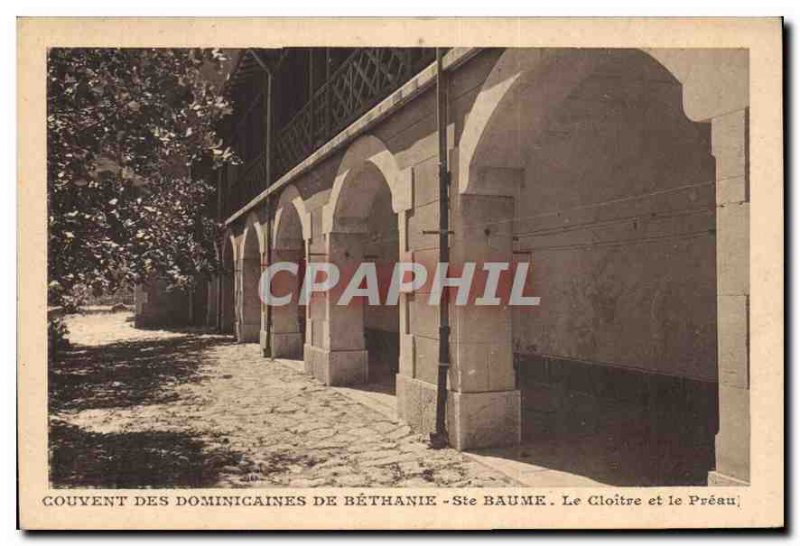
(418, 83)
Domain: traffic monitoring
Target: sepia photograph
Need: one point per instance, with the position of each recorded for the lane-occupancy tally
(325, 273)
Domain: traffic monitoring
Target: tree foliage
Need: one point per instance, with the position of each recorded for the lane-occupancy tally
(131, 147)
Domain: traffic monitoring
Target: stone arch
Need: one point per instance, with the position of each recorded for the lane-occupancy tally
(585, 162)
(368, 154)
(290, 197)
(291, 231)
(714, 82)
(253, 227)
(251, 252)
(363, 221)
(227, 307)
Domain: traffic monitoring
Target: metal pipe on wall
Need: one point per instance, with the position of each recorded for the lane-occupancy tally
(267, 350)
(268, 75)
(439, 438)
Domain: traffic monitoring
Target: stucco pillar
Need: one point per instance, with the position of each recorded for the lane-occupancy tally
(406, 352)
(716, 89)
(313, 348)
(729, 145)
(286, 337)
(337, 353)
(344, 324)
(248, 301)
(417, 219)
(237, 300)
(485, 405)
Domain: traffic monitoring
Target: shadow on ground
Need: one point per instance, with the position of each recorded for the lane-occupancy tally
(124, 374)
(79, 458)
(622, 460)
(121, 375)
(618, 445)
(180, 329)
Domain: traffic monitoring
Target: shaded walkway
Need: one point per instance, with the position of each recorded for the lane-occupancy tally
(135, 408)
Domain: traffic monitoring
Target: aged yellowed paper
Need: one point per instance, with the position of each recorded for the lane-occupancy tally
(400, 273)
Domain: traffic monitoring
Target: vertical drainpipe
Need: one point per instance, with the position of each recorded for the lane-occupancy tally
(439, 438)
(268, 314)
(268, 176)
(267, 352)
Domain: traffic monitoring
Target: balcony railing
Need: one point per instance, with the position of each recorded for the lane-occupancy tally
(363, 80)
(366, 77)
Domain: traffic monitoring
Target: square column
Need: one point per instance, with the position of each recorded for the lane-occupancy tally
(483, 405)
(249, 312)
(336, 354)
(486, 405)
(729, 136)
(286, 336)
(237, 301)
(415, 383)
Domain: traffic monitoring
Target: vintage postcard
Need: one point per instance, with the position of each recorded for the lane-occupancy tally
(400, 273)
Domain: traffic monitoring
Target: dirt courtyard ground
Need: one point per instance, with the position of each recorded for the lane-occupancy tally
(151, 408)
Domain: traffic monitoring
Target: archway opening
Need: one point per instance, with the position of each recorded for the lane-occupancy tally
(227, 293)
(288, 321)
(364, 212)
(251, 301)
(615, 209)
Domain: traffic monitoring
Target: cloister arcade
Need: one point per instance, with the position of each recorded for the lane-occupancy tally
(620, 176)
